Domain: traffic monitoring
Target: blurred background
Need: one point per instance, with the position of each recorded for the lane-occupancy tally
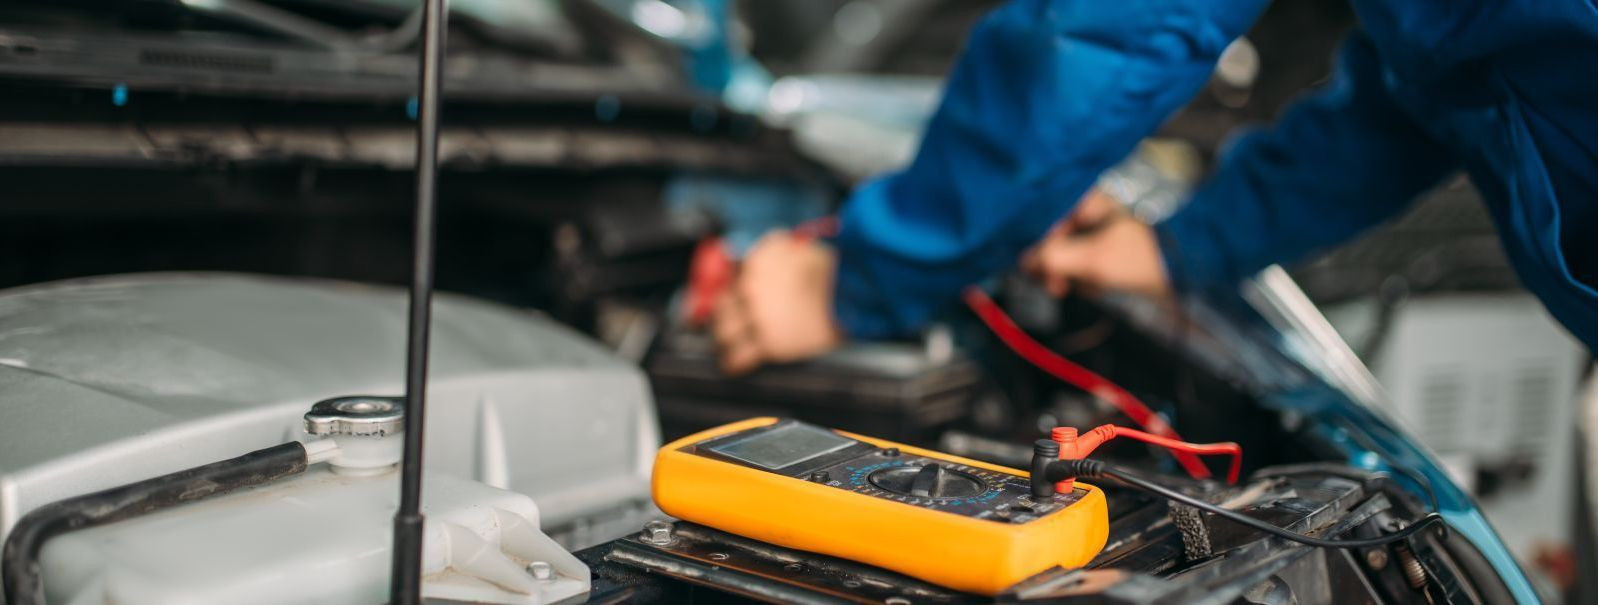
(590, 144)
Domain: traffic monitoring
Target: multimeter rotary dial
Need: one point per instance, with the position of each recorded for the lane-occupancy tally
(927, 481)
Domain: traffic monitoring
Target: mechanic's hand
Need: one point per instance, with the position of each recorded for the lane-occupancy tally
(1099, 247)
(779, 308)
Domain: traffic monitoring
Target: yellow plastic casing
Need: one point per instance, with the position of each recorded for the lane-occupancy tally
(973, 555)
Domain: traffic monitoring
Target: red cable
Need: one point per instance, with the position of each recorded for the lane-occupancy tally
(1064, 369)
(1203, 449)
(1074, 446)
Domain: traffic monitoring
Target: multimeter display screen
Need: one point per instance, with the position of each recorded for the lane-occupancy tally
(783, 446)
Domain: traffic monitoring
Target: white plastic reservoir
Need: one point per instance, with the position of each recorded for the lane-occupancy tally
(319, 537)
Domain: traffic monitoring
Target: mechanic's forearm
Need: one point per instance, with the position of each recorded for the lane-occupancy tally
(1337, 163)
(1047, 95)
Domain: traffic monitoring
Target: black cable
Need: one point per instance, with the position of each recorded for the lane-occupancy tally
(1061, 469)
(1419, 477)
(405, 579)
(19, 561)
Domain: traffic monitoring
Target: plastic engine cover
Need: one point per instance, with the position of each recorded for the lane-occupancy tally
(112, 380)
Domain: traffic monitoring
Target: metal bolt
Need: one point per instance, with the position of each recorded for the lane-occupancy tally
(1376, 559)
(541, 570)
(657, 533)
(718, 556)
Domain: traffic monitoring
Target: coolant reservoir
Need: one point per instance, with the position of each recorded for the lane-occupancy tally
(114, 379)
(319, 537)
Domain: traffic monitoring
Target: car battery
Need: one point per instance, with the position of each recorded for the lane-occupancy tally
(908, 392)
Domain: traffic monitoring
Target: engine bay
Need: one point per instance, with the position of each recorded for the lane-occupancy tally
(507, 409)
(222, 416)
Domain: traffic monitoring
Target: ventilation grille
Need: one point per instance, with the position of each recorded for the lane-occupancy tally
(1442, 393)
(1535, 401)
(181, 59)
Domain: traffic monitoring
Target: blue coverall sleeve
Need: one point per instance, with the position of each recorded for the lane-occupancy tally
(1046, 95)
(1337, 162)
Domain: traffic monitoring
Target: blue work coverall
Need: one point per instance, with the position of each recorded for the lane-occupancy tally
(1048, 94)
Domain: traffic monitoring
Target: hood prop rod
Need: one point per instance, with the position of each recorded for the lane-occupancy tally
(405, 581)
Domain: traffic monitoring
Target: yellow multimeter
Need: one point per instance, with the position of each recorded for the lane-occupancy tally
(948, 520)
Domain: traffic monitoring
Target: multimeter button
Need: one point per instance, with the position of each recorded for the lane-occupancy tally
(821, 476)
(929, 481)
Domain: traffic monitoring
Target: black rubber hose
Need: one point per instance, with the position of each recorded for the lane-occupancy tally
(1060, 469)
(19, 561)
